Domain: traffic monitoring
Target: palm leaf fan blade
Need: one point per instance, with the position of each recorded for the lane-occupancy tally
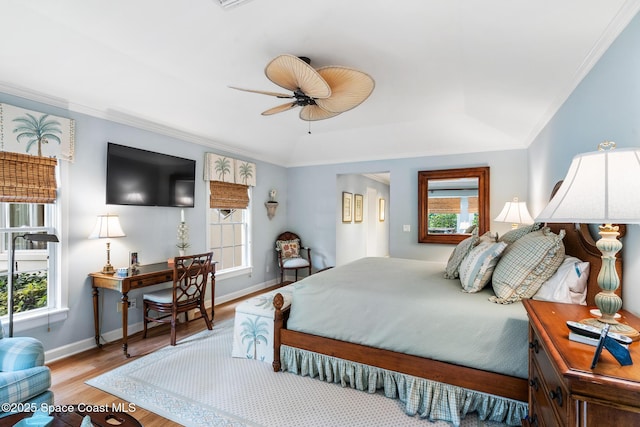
(349, 88)
(313, 113)
(279, 109)
(264, 92)
(291, 72)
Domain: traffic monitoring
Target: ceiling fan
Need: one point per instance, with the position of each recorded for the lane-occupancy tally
(322, 93)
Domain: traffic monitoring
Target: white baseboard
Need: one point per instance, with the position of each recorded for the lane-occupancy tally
(245, 291)
(116, 334)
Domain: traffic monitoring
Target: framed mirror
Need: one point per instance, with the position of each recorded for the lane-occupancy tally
(452, 203)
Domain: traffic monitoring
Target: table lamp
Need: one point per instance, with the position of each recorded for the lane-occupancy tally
(515, 212)
(601, 187)
(32, 237)
(107, 226)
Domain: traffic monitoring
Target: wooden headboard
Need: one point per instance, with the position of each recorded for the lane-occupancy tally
(579, 243)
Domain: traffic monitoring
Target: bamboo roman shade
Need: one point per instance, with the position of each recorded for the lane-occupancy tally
(227, 195)
(451, 205)
(27, 179)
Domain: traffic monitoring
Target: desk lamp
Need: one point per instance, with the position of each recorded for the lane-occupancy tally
(516, 213)
(601, 187)
(107, 226)
(32, 237)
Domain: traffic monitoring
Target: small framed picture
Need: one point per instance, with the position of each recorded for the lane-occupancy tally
(134, 261)
(347, 201)
(381, 208)
(357, 207)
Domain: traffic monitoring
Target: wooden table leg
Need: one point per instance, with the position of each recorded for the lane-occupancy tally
(96, 316)
(125, 322)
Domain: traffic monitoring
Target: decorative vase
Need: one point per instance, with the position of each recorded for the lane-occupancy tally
(181, 252)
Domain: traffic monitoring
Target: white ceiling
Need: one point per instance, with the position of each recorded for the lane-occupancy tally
(451, 75)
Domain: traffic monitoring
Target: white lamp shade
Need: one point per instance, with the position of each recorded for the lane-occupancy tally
(515, 212)
(107, 226)
(601, 187)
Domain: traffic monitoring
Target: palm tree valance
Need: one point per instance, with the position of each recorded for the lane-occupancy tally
(227, 169)
(36, 134)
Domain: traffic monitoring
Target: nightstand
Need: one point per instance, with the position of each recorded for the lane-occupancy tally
(563, 389)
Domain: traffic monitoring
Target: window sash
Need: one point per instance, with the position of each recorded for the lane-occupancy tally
(40, 218)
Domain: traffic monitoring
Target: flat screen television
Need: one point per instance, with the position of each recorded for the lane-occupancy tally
(145, 178)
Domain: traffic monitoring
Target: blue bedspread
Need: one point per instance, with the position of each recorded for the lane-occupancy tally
(407, 306)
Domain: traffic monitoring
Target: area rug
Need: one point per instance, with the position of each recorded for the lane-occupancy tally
(198, 383)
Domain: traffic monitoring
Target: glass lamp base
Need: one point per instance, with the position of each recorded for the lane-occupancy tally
(618, 328)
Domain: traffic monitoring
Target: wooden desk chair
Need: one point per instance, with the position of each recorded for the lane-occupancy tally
(190, 277)
(290, 250)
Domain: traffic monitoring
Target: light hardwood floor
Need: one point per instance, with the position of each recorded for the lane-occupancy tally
(69, 374)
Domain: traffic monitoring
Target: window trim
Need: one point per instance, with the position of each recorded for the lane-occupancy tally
(24, 321)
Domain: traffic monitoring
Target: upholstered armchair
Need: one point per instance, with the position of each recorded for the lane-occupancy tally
(290, 250)
(23, 376)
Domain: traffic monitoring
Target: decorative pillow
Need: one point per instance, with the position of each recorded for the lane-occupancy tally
(530, 261)
(459, 253)
(568, 284)
(289, 248)
(513, 235)
(476, 268)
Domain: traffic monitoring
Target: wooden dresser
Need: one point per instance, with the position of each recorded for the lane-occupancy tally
(563, 389)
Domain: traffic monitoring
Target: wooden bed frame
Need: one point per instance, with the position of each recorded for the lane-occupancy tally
(578, 242)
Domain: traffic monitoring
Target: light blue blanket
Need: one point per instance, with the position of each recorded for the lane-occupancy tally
(407, 306)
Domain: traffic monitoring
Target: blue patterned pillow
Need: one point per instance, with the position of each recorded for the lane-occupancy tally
(477, 267)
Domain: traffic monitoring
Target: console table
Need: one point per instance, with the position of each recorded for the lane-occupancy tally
(143, 276)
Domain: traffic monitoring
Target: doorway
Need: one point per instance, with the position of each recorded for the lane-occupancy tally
(369, 236)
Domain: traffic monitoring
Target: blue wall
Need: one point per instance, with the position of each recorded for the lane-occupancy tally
(314, 209)
(150, 230)
(605, 106)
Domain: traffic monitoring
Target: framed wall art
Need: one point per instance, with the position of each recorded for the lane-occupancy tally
(357, 207)
(134, 260)
(347, 211)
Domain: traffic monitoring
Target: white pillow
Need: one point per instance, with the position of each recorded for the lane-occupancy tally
(568, 284)
(477, 267)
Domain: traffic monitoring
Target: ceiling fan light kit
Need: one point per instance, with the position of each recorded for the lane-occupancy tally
(322, 93)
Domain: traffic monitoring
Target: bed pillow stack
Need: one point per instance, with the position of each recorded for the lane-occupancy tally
(528, 262)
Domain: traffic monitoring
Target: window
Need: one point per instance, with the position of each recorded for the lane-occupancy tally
(228, 237)
(35, 262)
